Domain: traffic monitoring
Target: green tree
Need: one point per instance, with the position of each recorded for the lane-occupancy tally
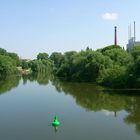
(112, 77)
(119, 56)
(3, 51)
(38, 66)
(134, 71)
(57, 59)
(110, 47)
(15, 57)
(24, 64)
(42, 56)
(83, 66)
(7, 66)
(136, 52)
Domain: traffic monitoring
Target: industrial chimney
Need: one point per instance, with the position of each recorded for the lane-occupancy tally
(134, 32)
(115, 35)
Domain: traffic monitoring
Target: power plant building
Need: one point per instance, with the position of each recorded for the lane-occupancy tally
(132, 43)
(132, 40)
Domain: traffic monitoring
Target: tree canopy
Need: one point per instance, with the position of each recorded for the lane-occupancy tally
(111, 66)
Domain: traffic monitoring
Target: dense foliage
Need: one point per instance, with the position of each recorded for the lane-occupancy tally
(41, 64)
(111, 66)
(8, 63)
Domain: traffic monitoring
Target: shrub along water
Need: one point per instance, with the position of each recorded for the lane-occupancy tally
(111, 66)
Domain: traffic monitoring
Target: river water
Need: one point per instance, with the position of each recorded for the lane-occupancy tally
(85, 111)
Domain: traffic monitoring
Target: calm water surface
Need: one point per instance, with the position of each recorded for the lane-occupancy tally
(28, 104)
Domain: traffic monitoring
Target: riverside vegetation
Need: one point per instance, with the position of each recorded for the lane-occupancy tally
(111, 66)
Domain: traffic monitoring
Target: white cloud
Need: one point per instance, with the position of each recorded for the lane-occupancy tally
(110, 16)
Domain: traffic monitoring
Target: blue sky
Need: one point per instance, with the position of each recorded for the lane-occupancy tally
(28, 27)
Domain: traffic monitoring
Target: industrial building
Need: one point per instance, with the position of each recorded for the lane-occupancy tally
(132, 40)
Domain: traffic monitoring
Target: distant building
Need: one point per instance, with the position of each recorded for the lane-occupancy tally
(132, 40)
(131, 44)
(27, 60)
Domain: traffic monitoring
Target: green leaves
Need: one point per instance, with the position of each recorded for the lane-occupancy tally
(8, 63)
(42, 56)
(7, 66)
(111, 66)
(136, 52)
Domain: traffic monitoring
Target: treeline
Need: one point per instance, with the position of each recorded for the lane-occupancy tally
(10, 64)
(111, 66)
(41, 64)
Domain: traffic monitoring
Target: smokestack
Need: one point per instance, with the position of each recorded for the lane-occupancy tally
(130, 31)
(115, 35)
(134, 32)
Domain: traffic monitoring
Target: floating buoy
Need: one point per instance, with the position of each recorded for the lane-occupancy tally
(55, 121)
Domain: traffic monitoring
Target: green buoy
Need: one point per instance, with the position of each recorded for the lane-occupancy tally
(55, 121)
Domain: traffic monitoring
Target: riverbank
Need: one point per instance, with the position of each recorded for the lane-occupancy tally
(24, 71)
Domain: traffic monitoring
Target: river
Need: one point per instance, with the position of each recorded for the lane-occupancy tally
(85, 111)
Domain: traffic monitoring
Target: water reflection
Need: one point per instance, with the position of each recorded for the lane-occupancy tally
(88, 96)
(42, 79)
(9, 83)
(91, 97)
(94, 98)
(55, 128)
(133, 107)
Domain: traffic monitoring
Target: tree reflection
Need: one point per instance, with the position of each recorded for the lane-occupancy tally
(94, 98)
(90, 96)
(41, 78)
(8, 83)
(133, 107)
